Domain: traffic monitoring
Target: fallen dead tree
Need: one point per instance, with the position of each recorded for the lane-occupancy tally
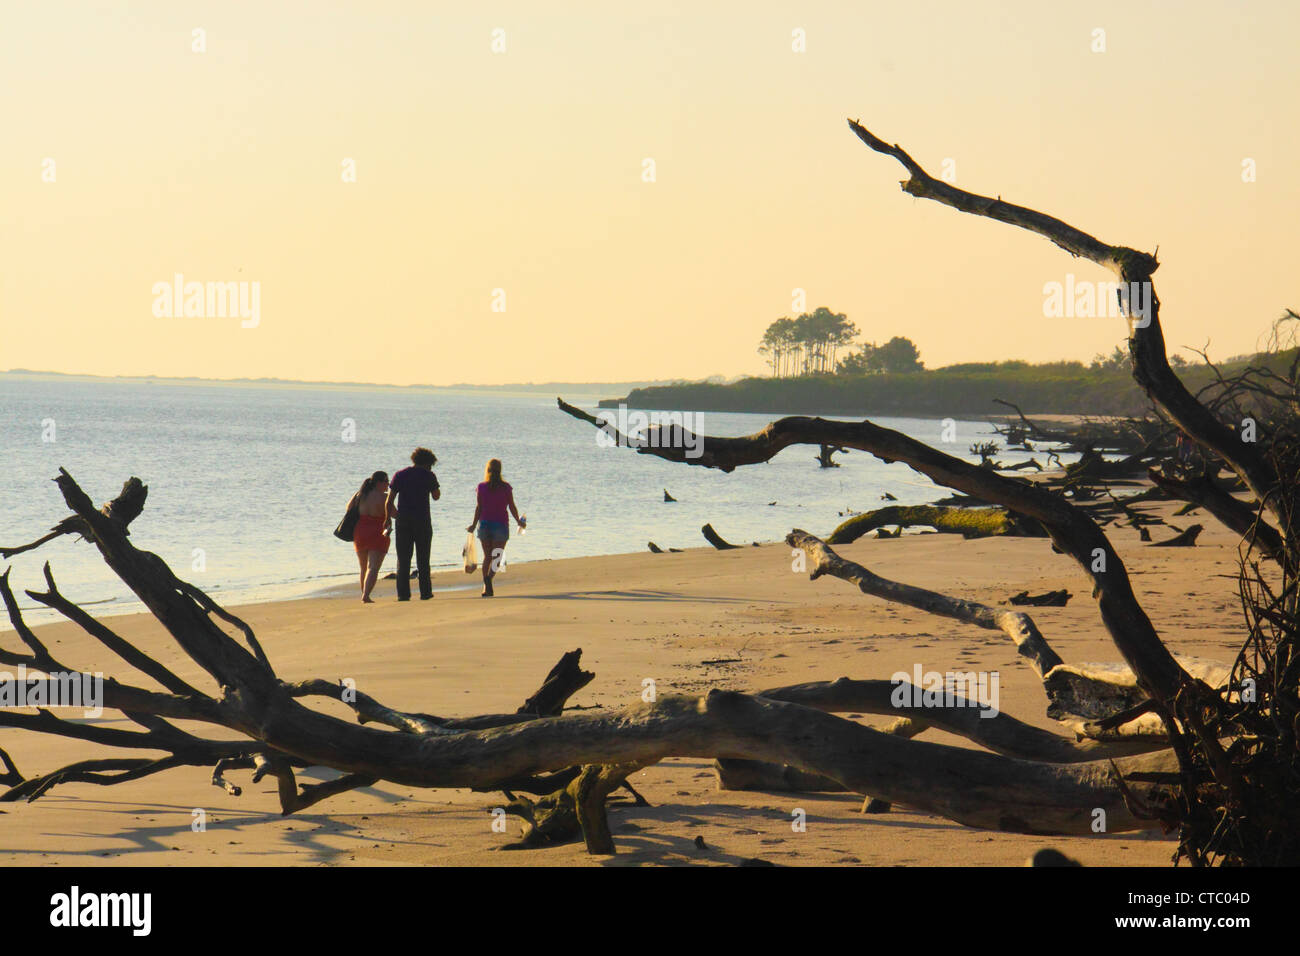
(1140, 443)
(1147, 437)
(967, 522)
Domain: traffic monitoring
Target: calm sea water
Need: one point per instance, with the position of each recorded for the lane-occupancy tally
(246, 483)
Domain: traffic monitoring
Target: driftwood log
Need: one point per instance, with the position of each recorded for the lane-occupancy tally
(1058, 598)
(716, 539)
(967, 522)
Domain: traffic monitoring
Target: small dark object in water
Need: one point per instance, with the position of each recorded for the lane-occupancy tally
(667, 496)
(824, 454)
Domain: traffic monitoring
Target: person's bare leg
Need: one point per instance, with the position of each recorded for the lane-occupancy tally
(486, 568)
(361, 559)
(376, 560)
(492, 552)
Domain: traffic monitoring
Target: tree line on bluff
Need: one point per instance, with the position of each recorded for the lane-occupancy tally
(810, 345)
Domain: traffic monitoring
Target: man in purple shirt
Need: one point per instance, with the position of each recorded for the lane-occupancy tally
(409, 492)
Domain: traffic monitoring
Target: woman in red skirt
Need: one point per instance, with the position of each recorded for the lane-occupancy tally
(372, 535)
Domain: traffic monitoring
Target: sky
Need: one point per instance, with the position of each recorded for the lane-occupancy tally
(499, 222)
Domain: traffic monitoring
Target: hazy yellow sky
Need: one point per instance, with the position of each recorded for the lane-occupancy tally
(522, 170)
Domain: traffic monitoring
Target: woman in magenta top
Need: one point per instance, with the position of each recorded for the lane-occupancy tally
(495, 498)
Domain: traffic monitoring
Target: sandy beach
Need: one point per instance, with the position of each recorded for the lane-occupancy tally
(693, 620)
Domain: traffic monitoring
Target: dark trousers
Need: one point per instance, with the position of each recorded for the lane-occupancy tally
(413, 534)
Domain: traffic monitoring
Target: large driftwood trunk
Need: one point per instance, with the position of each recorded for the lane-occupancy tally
(967, 522)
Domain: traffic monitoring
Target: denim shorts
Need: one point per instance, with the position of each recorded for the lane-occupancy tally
(494, 531)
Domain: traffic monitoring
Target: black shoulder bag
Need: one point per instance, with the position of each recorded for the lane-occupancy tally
(348, 525)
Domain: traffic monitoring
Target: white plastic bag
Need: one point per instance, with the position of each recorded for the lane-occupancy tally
(470, 554)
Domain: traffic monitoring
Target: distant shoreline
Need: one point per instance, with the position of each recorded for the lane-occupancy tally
(954, 392)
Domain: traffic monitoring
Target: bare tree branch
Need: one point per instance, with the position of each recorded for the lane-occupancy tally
(1146, 342)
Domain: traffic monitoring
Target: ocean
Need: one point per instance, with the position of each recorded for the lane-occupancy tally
(247, 481)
